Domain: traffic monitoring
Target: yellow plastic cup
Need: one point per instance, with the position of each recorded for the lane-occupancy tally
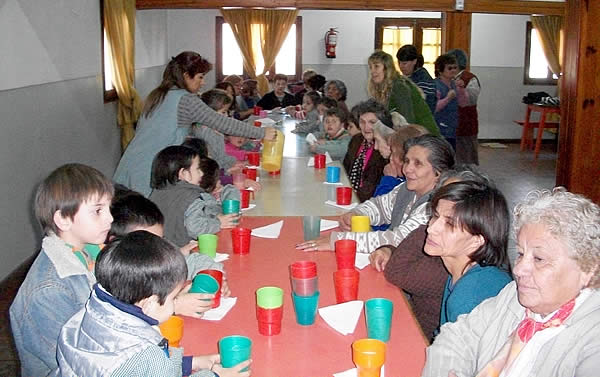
(369, 356)
(172, 329)
(360, 224)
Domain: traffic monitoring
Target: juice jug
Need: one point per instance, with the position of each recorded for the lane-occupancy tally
(272, 153)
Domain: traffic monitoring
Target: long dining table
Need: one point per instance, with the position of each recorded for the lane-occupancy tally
(300, 351)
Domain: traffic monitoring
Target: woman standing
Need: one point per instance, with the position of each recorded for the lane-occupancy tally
(446, 110)
(169, 112)
(398, 93)
(411, 66)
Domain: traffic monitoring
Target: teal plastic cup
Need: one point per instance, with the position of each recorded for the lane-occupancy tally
(311, 226)
(234, 349)
(204, 283)
(306, 308)
(378, 313)
(231, 206)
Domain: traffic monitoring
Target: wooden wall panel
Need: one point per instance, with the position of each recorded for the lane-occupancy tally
(578, 166)
(456, 31)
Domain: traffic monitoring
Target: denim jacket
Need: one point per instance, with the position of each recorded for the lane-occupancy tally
(56, 287)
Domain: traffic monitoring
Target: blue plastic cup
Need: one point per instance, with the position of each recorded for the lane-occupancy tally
(306, 308)
(333, 174)
(234, 349)
(378, 314)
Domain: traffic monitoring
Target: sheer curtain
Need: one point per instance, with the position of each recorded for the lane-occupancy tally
(119, 22)
(548, 28)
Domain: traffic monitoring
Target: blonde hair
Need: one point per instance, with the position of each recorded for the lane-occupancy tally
(381, 91)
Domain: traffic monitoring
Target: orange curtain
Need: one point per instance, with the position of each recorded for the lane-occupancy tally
(548, 28)
(241, 26)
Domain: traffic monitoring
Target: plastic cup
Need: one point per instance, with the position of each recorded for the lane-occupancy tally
(257, 110)
(305, 286)
(218, 275)
(319, 161)
(207, 244)
(369, 356)
(360, 224)
(239, 180)
(204, 283)
(269, 297)
(333, 174)
(332, 193)
(250, 173)
(378, 314)
(240, 238)
(262, 114)
(253, 158)
(305, 308)
(312, 227)
(269, 320)
(172, 329)
(231, 206)
(257, 123)
(303, 269)
(234, 349)
(346, 285)
(345, 254)
(246, 197)
(343, 195)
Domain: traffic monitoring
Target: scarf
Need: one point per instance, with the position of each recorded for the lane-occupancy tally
(359, 163)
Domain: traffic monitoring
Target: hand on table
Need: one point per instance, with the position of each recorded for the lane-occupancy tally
(205, 361)
(225, 291)
(321, 243)
(346, 221)
(291, 110)
(380, 257)
(234, 371)
(229, 221)
(185, 250)
(193, 304)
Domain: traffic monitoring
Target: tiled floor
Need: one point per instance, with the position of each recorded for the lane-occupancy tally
(515, 173)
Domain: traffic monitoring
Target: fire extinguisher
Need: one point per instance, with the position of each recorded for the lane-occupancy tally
(330, 42)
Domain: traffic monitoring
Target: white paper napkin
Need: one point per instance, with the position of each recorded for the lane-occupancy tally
(268, 231)
(221, 311)
(311, 139)
(266, 121)
(333, 183)
(354, 373)
(250, 206)
(361, 261)
(347, 207)
(342, 317)
(328, 224)
(220, 257)
(328, 160)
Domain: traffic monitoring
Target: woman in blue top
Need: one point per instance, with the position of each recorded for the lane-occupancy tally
(446, 109)
(468, 229)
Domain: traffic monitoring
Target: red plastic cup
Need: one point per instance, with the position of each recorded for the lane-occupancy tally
(246, 197)
(253, 158)
(303, 269)
(343, 195)
(345, 254)
(250, 173)
(257, 123)
(346, 285)
(269, 320)
(319, 161)
(276, 172)
(218, 275)
(257, 110)
(240, 238)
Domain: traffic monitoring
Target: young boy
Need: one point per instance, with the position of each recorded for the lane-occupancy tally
(312, 124)
(116, 333)
(73, 207)
(335, 139)
(278, 98)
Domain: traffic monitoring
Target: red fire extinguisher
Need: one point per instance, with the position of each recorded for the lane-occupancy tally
(330, 42)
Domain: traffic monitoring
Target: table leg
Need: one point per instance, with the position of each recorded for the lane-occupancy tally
(538, 141)
(526, 131)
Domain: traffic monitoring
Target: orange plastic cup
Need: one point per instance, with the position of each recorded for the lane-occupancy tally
(369, 356)
(172, 329)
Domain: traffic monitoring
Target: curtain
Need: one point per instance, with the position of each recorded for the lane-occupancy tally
(274, 25)
(119, 23)
(548, 28)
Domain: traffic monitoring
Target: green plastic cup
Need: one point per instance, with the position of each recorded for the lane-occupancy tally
(207, 244)
(234, 349)
(378, 313)
(269, 297)
(204, 283)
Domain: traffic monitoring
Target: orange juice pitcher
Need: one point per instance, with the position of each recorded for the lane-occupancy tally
(272, 153)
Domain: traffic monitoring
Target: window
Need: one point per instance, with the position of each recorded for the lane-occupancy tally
(110, 94)
(424, 33)
(537, 71)
(229, 60)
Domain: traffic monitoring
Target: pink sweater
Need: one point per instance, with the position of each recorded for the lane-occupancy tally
(234, 151)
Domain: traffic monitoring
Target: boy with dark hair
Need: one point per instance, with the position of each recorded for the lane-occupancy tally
(116, 333)
(73, 207)
(278, 97)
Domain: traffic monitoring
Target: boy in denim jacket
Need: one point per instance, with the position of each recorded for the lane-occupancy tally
(73, 207)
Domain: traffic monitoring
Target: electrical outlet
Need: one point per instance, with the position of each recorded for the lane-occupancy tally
(460, 5)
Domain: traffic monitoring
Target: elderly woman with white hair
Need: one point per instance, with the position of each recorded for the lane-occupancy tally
(547, 322)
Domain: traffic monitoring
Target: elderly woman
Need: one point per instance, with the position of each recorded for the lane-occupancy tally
(405, 207)
(336, 89)
(547, 322)
(397, 92)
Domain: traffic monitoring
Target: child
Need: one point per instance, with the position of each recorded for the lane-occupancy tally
(315, 122)
(116, 333)
(278, 97)
(73, 207)
(132, 211)
(309, 111)
(335, 139)
(249, 96)
(446, 109)
(238, 146)
(352, 124)
(188, 208)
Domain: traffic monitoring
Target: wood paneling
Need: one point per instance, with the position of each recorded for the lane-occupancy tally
(480, 6)
(456, 31)
(578, 166)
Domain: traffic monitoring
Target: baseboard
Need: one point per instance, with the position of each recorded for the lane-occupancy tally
(513, 141)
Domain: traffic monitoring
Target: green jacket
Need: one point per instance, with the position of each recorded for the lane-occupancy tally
(407, 100)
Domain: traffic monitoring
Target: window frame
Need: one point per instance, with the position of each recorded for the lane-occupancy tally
(418, 24)
(219, 76)
(111, 94)
(549, 80)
